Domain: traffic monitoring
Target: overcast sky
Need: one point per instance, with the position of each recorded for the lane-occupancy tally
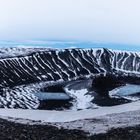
(115, 21)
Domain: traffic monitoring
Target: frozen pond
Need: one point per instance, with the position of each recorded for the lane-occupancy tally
(83, 99)
(128, 89)
(51, 96)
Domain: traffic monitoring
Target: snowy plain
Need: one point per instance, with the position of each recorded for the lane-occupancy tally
(67, 116)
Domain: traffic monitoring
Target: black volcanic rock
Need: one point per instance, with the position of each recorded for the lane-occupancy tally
(64, 65)
(53, 88)
(103, 84)
(109, 101)
(55, 104)
(16, 131)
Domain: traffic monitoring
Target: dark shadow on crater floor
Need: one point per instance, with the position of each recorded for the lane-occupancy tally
(55, 104)
(109, 101)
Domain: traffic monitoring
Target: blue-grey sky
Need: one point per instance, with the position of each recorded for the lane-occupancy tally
(115, 21)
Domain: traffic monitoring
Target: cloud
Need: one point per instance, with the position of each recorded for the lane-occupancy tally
(93, 20)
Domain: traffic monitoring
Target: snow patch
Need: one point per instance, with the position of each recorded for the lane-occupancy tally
(83, 100)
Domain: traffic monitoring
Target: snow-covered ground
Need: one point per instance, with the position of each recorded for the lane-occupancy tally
(79, 90)
(83, 100)
(67, 116)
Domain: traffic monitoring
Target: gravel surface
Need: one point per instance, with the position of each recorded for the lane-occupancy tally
(123, 126)
(102, 124)
(15, 131)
